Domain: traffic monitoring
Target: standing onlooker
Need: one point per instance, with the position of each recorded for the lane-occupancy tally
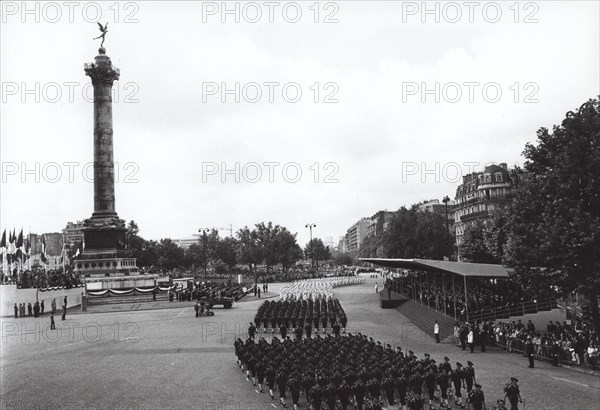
(529, 351)
(436, 331)
(42, 307)
(29, 309)
(16, 311)
(258, 291)
(456, 334)
(52, 324)
(470, 339)
(64, 311)
(53, 305)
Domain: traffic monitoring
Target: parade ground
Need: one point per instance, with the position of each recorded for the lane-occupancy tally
(130, 357)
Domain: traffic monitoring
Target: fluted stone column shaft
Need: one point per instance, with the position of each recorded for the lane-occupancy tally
(103, 75)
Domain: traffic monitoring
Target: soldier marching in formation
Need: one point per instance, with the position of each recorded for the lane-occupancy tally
(334, 372)
(300, 315)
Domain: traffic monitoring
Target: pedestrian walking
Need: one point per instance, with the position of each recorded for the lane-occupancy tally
(52, 324)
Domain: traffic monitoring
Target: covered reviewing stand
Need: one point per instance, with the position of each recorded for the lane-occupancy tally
(435, 267)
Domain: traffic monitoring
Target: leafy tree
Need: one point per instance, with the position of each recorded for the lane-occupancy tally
(342, 258)
(554, 226)
(287, 249)
(226, 250)
(474, 248)
(266, 235)
(170, 255)
(250, 251)
(317, 251)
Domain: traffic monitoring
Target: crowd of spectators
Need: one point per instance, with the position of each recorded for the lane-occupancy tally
(485, 297)
(41, 278)
(573, 343)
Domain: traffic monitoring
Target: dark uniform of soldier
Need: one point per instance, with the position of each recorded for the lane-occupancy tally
(330, 396)
(529, 352)
(457, 377)
(316, 396)
(308, 329)
(402, 387)
(281, 380)
(469, 375)
(298, 332)
(358, 389)
(430, 384)
(294, 386)
(388, 387)
(270, 377)
(476, 398)
(343, 393)
(260, 374)
(283, 331)
(336, 329)
(443, 381)
(415, 402)
(251, 331)
(512, 392)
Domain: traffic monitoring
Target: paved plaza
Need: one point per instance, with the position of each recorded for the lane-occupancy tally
(167, 358)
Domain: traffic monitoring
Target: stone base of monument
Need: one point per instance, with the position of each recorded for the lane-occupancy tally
(111, 269)
(121, 282)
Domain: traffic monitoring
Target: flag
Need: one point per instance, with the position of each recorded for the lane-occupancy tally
(27, 248)
(2, 246)
(79, 248)
(11, 246)
(19, 245)
(43, 255)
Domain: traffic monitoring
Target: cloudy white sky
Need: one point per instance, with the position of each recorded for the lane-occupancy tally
(383, 140)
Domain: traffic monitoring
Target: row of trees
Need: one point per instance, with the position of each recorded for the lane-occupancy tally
(266, 244)
(550, 234)
(411, 234)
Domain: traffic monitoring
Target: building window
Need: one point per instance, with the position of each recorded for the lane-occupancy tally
(488, 178)
(498, 177)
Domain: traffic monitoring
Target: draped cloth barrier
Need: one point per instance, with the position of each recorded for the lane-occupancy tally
(132, 291)
(60, 288)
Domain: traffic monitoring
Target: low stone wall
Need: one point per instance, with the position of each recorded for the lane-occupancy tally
(9, 295)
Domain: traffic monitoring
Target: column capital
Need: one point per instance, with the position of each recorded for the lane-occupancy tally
(102, 71)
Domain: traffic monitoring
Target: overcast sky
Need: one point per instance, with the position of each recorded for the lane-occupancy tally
(379, 141)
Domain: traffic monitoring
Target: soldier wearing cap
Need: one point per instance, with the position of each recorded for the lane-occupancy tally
(294, 386)
(443, 381)
(457, 379)
(430, 377)
(477, 398)
(512, 392)
(469, 374)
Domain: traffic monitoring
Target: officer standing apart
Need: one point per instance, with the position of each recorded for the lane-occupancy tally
(529, 351)
(436, 331)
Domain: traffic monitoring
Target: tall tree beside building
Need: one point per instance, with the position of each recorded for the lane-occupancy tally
(474, 248)
(555, 219)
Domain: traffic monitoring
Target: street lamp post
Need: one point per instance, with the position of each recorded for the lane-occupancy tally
(310, 226)
(445, 201)
(204, 232)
